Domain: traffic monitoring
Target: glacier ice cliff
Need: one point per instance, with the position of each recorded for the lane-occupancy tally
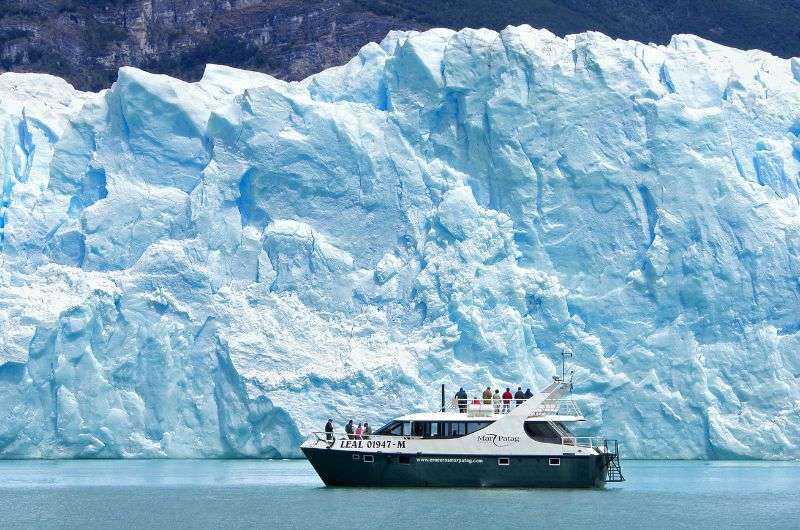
(214, 268)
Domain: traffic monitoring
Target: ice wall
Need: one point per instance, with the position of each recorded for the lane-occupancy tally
(214, 268)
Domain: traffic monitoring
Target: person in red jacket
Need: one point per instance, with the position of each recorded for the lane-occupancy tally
(507, 400)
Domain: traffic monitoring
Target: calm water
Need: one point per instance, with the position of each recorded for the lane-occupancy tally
(287, 494)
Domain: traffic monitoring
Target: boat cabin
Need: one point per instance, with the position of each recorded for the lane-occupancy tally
(455, 425)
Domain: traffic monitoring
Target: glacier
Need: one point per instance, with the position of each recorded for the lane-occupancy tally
(212, 269)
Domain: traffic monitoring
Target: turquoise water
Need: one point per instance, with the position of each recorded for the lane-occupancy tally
(176, 494)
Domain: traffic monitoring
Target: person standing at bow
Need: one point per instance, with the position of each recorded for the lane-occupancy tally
(461, 399)
(507, 400)
(329, 432)
(487, 396)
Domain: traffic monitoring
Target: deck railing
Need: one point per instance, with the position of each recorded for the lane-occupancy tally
(570, 444)
(557, 407)
(549, 407)
(482, 408)
(324, 437)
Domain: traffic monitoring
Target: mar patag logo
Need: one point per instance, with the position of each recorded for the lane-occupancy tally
(499, 440)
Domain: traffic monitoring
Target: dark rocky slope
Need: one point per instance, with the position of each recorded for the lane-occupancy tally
(85, 41)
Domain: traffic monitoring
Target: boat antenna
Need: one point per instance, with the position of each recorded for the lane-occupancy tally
(564, 354)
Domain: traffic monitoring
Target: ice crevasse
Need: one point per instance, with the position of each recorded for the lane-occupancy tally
(213, 269)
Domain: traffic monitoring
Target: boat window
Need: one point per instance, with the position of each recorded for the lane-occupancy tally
(406, 428)
(555, 461)
(562, 428)
(541, 431)
(473, 426)
(394, 428)
(434, 430)
(368, 459)
(356, 456)
(455, 429)
(503, 461)
(419, 428)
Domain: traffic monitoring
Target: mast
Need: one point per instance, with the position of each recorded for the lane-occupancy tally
(565, 352)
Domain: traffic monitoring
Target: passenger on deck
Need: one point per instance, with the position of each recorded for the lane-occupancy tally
(507, 400)
(496, 401)
(367, 430)
(349, 429)
(519, 396)
(487, 396)
(461, 399)
(528, 394)
(359, 431)
(329, 431)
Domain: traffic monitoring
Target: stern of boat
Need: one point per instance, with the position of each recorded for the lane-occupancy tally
(604, 450)
(613, 462)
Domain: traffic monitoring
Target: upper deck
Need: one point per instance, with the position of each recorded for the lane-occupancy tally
(562, 410)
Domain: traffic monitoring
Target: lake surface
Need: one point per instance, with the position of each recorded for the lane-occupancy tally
(233, 494)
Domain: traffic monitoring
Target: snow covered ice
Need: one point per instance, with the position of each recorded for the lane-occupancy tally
(215, 268)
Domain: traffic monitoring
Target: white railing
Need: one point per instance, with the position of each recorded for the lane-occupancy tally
(549, 407)
(557, 407)
(326, 437)
(478, 408)
(570, 444)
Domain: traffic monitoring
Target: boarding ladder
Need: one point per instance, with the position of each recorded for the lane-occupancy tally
(614, 473)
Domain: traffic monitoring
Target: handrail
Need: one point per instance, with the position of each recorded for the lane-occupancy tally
(569, 444)
(557, 407)
(322, 436)
(549, 407)
(480, 407)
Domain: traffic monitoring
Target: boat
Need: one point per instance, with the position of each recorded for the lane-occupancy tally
(522, 444)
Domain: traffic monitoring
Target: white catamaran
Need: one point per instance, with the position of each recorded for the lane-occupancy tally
(473, 444)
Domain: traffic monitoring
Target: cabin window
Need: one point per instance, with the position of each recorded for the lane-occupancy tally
(419, 428)
(504, 461)
(394, 428)
(434, 430)
(427, 429)
(555, 461)
(406, 428)
(456, 429)
(541, 431)
(356, 456)
(404, 459)
(368, 459)
(473, 426)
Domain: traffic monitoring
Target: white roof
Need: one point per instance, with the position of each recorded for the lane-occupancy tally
(445, 416)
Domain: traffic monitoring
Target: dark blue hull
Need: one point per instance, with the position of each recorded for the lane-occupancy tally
(350, 468)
